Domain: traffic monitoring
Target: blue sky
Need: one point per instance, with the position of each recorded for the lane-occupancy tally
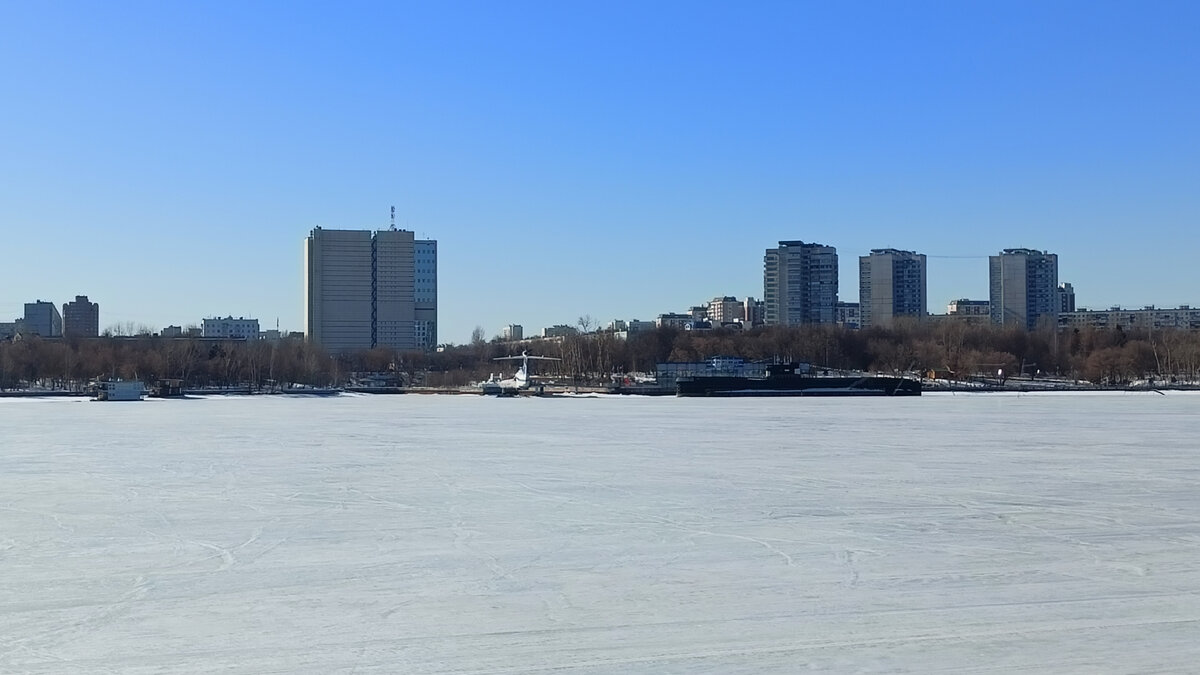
(609, 159)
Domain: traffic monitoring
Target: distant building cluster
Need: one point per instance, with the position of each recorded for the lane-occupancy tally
(800, 287)
(379, 288)
(362, 289)
(80, 318)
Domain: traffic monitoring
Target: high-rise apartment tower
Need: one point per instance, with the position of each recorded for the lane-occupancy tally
(800, 283)
(81, 318)
(365, 289)
(1024, 286)
(891, 283)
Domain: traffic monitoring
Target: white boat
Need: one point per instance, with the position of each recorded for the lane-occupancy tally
(120, 390)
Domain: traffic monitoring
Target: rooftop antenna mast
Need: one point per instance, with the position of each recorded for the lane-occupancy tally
(393, 219)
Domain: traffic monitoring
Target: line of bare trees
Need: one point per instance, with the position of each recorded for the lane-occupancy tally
(961, 350)
(957, 349)
(71, 364)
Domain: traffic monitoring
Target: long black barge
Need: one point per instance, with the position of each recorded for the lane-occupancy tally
(783, 380)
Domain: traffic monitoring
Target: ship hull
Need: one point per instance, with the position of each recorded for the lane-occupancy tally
(799, 385)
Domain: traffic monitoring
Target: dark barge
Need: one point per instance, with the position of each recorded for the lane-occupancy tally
(784, 380)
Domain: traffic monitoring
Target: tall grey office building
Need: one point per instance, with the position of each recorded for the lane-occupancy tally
(1024, 286)
(42, 318)
(365, 289)
(891, 283)
(800, 283)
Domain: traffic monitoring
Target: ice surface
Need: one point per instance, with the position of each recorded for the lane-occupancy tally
(448, 534)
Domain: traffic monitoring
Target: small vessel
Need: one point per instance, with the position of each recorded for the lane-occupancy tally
(167, 389)
(119, 390)
(785, 380)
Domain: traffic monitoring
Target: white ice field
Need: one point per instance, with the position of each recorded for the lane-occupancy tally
(450, 534)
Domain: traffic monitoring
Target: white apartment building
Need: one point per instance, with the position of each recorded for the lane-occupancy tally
(726, 309)
(965, 307)
(240, 328)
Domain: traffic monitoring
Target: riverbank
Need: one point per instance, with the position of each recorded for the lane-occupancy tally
(928, 386)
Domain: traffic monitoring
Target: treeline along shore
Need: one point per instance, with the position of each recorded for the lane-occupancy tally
(950, 350)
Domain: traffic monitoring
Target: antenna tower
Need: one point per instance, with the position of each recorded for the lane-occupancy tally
(393, 219)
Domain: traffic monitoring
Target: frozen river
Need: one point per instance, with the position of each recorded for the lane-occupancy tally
(449, 534)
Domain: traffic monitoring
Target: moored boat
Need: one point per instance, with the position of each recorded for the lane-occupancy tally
(120, 390)
(784, 380)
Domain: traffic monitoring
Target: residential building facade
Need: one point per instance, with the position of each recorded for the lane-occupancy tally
(673, 320)
(726, 309)
(366, 289)
(891, 283)
(425, 289)
(512, 332)
(559, 330)
(230, 328)
(1066, 298)
(800, 283)
(849, 315)
(1024, 287)
(1183, 317)
(81, 318)
(965, 307)
(42, 318)
(754, 311)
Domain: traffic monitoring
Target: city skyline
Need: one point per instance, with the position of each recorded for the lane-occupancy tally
(617, 161)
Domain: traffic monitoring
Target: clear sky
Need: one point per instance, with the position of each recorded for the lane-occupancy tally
(611, 159)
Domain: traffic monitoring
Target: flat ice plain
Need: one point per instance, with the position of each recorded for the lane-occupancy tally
(447, 534)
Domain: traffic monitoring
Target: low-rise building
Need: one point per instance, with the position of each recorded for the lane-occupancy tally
(240, 328)
(848, 314)
(1183, 317)
(559, 330)
(673, 320)
(965, 307)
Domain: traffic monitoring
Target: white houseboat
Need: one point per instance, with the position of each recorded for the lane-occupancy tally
(120, 390)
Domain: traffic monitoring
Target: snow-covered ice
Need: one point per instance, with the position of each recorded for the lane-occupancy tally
(448, 534)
